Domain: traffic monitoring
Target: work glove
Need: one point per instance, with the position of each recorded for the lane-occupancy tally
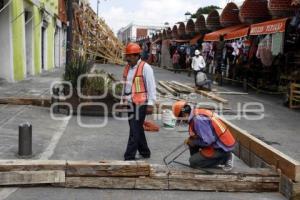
(190, 141)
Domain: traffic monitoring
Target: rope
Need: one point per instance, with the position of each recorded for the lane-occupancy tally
(264, 91)
(255, 88)
(5, 6)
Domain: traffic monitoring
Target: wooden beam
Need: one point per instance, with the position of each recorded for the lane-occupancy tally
(287, 165)
(232, 93)
(177, 88)
(202, 92)
(190, 89)
(100, 182)
(45, 102)
(31, 165)
(212, 96)
(107, 168)
(161, 90)
(31, 177)
(131, 175)
(171, 90)
(289, 188)
(163, 179)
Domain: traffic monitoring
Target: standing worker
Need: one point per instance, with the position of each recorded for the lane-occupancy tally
(140, 95)
(210, 141)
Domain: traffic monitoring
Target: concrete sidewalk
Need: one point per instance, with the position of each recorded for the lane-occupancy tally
(34, 86)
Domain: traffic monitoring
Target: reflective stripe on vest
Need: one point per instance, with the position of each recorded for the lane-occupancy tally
(138, 89)
(221, 131)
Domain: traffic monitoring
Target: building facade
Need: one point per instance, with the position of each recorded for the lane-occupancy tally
(32, 38)
(134, 32)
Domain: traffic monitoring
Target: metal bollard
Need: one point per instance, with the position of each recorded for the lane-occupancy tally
(25, 139)
(55, 91)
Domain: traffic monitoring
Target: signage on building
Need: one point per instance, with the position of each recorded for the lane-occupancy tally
(269, 27)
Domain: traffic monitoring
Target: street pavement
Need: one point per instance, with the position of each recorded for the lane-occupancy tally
(65, 139)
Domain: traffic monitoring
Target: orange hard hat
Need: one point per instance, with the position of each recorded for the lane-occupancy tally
(133, 48)
(177, 107)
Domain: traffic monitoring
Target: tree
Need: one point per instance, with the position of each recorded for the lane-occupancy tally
(205, 10)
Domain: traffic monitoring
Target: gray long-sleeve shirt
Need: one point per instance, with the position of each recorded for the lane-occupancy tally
(148, 79)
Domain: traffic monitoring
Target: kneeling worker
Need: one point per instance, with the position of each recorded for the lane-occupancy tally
(210, 141)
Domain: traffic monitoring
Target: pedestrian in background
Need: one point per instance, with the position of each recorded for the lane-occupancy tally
(198, 64)
(175, 61)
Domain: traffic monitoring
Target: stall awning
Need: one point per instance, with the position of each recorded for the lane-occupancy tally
(180, 41)
(215, 36)
(269, 27)
(243, 32)
(195, 39)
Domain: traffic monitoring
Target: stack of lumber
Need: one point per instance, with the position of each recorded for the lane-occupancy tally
(177, 88)
(93, 38)
(132, 175)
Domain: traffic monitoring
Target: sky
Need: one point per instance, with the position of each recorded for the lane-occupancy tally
(119, 13)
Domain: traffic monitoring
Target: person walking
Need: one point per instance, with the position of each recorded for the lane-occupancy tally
(198, 64)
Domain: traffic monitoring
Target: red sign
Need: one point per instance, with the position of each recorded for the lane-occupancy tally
(269, 27)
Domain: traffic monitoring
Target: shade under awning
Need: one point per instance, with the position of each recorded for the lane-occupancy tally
(243, 32)
(215, 36)
(269, 27)
(195, 39)
(180, 41)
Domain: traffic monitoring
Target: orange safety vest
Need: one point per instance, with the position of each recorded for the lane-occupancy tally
(221, 131)
(138, 89)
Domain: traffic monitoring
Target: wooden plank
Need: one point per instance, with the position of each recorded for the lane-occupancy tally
(202, 92)
(100, 182)
(164, 85)
(232, 93)
(17, 178)
(158, 179)
(161, 90)
(44, 102)
(222, 186)
(289, 188)
(190, 89)
(212, 96)
(161, 178)
(31, 165)
(288, 166)
(177, 88)
(107, 168)
(256, 172)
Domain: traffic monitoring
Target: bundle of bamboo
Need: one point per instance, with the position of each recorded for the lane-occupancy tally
(93, 38)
